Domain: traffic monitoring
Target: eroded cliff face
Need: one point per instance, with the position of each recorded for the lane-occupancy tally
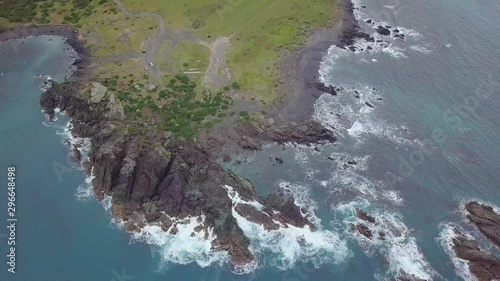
(154, 178)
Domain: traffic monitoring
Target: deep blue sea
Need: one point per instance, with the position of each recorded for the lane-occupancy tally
(419, 117)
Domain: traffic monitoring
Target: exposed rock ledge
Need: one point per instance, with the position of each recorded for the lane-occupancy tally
(484, 266)
(486, 220)
(155, 178)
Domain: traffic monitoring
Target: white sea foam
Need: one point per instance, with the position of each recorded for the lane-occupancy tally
(83, 145)
(303, 200)
(348, 178)
(445, 239)
(398, 246)
(286, 246)
(350, 116)
(393, 196)
(421, 49)
(85, 190)
(184, 247)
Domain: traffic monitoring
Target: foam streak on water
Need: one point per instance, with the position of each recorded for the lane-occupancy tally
(391, 238)
(445, 239)
(288, 245)
(186, 246)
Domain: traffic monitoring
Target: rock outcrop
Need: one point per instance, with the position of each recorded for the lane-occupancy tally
(484, 266)
(252, 135)
(486, 220)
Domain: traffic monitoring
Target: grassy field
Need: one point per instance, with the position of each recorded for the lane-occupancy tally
(190, 56)
(260, 30)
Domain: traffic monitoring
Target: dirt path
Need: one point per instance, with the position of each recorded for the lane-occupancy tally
(152, 45)
(217, 74)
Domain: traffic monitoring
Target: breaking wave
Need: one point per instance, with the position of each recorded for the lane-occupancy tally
(391, 238)
(445, 239)
(286, 246)
(187, 245)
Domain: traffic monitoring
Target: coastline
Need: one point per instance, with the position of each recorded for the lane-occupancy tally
(300, 78)
(69, 33)
(194, 185)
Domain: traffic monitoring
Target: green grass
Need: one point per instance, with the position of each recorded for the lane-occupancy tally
(177, 107)
(190, 55)
(256, 48)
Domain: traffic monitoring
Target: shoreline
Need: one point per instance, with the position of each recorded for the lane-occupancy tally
(301, 67)
(163, 181)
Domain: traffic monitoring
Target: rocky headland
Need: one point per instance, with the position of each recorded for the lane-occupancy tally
(154, 177)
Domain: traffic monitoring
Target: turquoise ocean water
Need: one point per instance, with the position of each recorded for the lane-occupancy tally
(429, 143)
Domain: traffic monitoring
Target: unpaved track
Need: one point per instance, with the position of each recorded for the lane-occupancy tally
(153, 44)
(217, 74)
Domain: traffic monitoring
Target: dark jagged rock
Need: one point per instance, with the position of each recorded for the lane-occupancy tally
(369, 104)
(329, 89)
(362, 229)
(252, 135)
(383, 30)
(288, 210)
(400, 36)
(305, 133)
(226, 158)
(351, 30)
(364, 216)
(484, 266)
(279, 160)
(486, 220)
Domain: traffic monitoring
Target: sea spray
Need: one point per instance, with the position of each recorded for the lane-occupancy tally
(391, 237)
(289, 244)
(445, 239)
